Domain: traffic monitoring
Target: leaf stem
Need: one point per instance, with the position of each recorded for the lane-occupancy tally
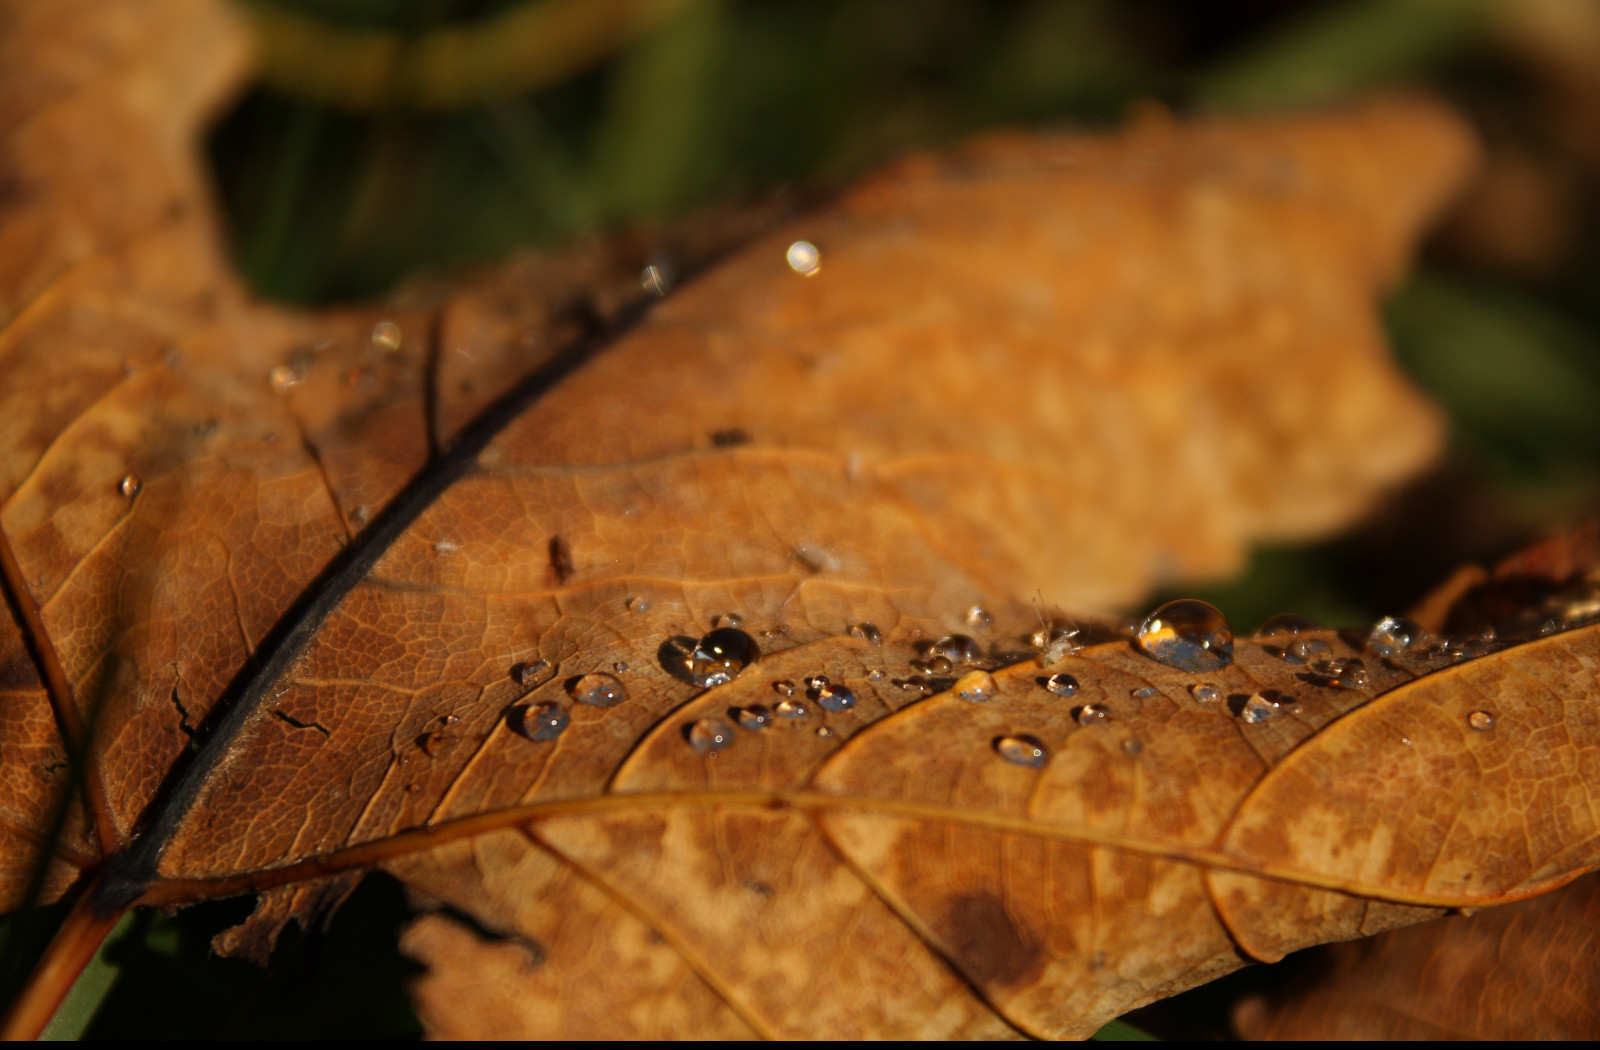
(74, 945)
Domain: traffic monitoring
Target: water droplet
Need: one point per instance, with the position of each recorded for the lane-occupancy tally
(1061, 684)
(1132, 747)
(727, 620)
(803, 258)
(1305, 650)
(619, 667)
(978, 617)
(445, 547)
(386, 336)
(792, 709)
(976, 687)
(756, 716)
(876, 675)
(283, 379)
(1205, 692)
(721, 655)
(638, 605)
(1482, 721)
(654, 281)
(540, 722)
(1406, 741)
(957, 648)
(824, 732)
(1143, 692)
(530, 674)
(1055, 644)
(599, 690)
(867, 632)
(785, 688)
(1092, 715)
(708, 735)
(1259, 708)
(1286, 625)
(817, 681)
(129, 486)
(1187, 634)
(1393, 634)
(1347, 673)
(1022, 751)
(831, 697)
(938, 665)
(359, 514)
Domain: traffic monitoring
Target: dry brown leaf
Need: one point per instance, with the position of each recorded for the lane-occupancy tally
(304, 584)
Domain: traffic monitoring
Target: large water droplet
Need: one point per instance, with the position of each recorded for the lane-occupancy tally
(1022, 751)
(541, 722)
(1305, 650)
(1260, 707)
(976, 687)
(792, 709)
(708, 735)
(1062, 684)
(1092, 715)
(957, 648)
(756, 716)
(832, 697)
(803, 258)
(1187, 634)
(1482, 721)
(599, 690)
(867, 632)
(1393, 635)
(386, 336)
(1347, 673)
(721, 655)
(129, 486)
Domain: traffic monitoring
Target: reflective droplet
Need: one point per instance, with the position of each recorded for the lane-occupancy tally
(824, 732)
(721, 655)
(654, 281)
(1347, 673)
(1055, 644)
(359, 514)
(1187, 634)
(1305, 650)
(541, 722)
(1022, 751)
(445, 547)
(978, 617)
(1143, 692)
(1392, 635)
(1285, 625)
(803, 258)
(957, 648)
(530, 674)
(129, 486)
(784, 688)
(599, 690)
(708, 735)
(817, 681)
(832, 697)
(792, 709)
(283, 379)
(867, 632)
(1132, 746)
(1259, 708)
(939, 665)
(386, 336)
(876, 675)
(727, 620)
(619, 667)
(756, 716)
(1482, 721)
(1205, 692)
(1406, 741)
(1092, 715)
(638, 605)
(976, 687)
(1061, 684)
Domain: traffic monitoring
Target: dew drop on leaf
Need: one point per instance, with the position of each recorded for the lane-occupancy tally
(1144, 692)
(978, 618)
(831, 697)
(1205, 692)
(283, 379)
(957, 648)
(720, 656)
(129, 486)
(653, 281)
(599, 690)
(867, 632)
(1347, 673)
(976, 687)
(530, 673)
(1305, 650)
(1092, 715)
(541, 722)
(1061, 684)
(1187, 634)
(939, 665)
(1022, 751)
(792, 709)
(1285, 625)
(1259, 708)
(386, 336)
(1394, 634)
(1482, 721)
(638, 605)
(708, 735)
(756, 716)
(727, 620)
(784, 688)
(803, 258)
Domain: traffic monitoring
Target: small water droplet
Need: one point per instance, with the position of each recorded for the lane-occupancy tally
(1259, 708)
(727, 620)
(720, 656)
(708, 735)
(1143, 692)
(1132, 747)
(876, 675)
(129, 486)
(530, 674)
(1482, 721)
(541, 722)
(792, 709)
(1062, 684)
(756, 716)
(957, 648)
(445, 547)
(978, 617)
(386, 336)
(283, 379)
(824, 732)
(619, 667)
(867, 632)
(654, 281)
(803, 258)
(976, 687)
(784, 688)
(599, 690)
(1393, 634)
(359, 514)
(1305, 650)
(1347, 673)
(817, 681)
(1286, 625)
(832, 697)
(1092, 715)
(1205, 692)
(1187, 634)
(638, 605)
(1022, 751)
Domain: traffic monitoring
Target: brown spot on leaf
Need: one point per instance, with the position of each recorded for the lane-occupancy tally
(987, 944)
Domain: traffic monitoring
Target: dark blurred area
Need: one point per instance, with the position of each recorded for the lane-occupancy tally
(388, 137)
